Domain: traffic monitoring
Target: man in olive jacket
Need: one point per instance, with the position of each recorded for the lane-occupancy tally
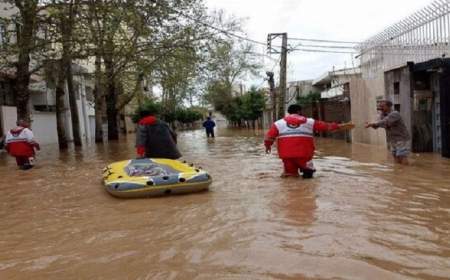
(155, 139)
(397, 135)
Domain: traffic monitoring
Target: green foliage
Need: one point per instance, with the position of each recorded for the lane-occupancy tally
(183, 115)
(188, 115)
(219, 95)
(253, 104)
(248, 107)
(308, 99)
(133, 43)
(148, 108)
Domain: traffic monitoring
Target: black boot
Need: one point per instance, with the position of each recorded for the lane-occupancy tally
(308, 173)
(26, 166)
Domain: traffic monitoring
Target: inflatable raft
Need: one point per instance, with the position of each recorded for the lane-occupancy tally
(153, 177)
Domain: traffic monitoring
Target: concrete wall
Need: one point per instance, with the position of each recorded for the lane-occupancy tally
(43, 124)
(336, 111)
(363, 96)
(8, 118)
(44, 127)
(267, 119)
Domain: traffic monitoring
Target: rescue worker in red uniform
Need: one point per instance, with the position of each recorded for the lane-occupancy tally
(295, 141)
(20, 143)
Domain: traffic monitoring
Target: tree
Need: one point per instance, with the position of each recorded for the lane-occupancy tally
(36, 38)
(228, 62)
(27, 49)
(253, 103)
(65, 14)
(133, 37)
(247, 108)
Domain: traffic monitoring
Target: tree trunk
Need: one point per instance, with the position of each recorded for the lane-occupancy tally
(67, 22)
(60, 109)
(111, 101)
(99, 100)
(73, 106)
(23, 94)
(25, 42)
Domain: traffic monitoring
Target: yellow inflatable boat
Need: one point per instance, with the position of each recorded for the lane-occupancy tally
(153, 177)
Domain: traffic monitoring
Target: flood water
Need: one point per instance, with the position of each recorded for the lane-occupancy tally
(361, 217)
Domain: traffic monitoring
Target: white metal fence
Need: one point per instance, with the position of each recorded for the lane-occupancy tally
(422, 36)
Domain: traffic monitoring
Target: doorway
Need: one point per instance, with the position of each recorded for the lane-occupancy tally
(422, 114)
(431, 107)
(445, 111)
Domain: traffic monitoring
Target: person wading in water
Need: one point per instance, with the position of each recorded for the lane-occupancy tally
(397, 135)
(295, 141)
(20, 143)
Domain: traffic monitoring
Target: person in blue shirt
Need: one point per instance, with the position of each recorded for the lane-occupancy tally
(209, 126)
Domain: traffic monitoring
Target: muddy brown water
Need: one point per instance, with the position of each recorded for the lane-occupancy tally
(362, 217)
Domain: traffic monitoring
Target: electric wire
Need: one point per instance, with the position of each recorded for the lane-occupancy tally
(323, 41)
(228, 33)
(231, 34)
(319, 51)
(325, 46)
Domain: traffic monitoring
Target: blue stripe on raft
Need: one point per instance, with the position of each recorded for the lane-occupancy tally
(124, 186)
(165, 180)
(199, 178)
(141, 161)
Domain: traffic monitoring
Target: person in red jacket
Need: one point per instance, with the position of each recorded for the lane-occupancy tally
(295, 141)
(20, 143)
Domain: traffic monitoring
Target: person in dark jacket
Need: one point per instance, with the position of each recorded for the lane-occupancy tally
(209, 126)
(155, 139)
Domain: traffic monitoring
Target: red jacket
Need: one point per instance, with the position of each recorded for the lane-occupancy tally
(20, 142)
(295, 135)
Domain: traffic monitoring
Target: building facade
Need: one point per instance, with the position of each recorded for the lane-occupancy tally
(407, 63)
(42, 95)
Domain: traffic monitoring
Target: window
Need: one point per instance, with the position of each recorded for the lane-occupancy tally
(3, 35)
(396, 88)
(396, 94)
(397, 107)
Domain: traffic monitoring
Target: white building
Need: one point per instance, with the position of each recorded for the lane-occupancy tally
(43, 109)
(336, 83)
(299, 89)
(42, 98)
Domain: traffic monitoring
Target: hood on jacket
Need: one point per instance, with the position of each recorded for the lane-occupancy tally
(17, 130)
(147, 120)
(295, 120)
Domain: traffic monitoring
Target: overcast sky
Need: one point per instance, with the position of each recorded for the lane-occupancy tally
(349, 20)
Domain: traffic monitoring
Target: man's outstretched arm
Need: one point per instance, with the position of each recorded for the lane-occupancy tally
(271, 135)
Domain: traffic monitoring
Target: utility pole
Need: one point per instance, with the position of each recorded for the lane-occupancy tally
(280, 111)
(283, 73)
(273, 98)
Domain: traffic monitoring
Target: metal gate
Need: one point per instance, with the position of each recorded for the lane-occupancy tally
(445, 112)
(437, 133)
